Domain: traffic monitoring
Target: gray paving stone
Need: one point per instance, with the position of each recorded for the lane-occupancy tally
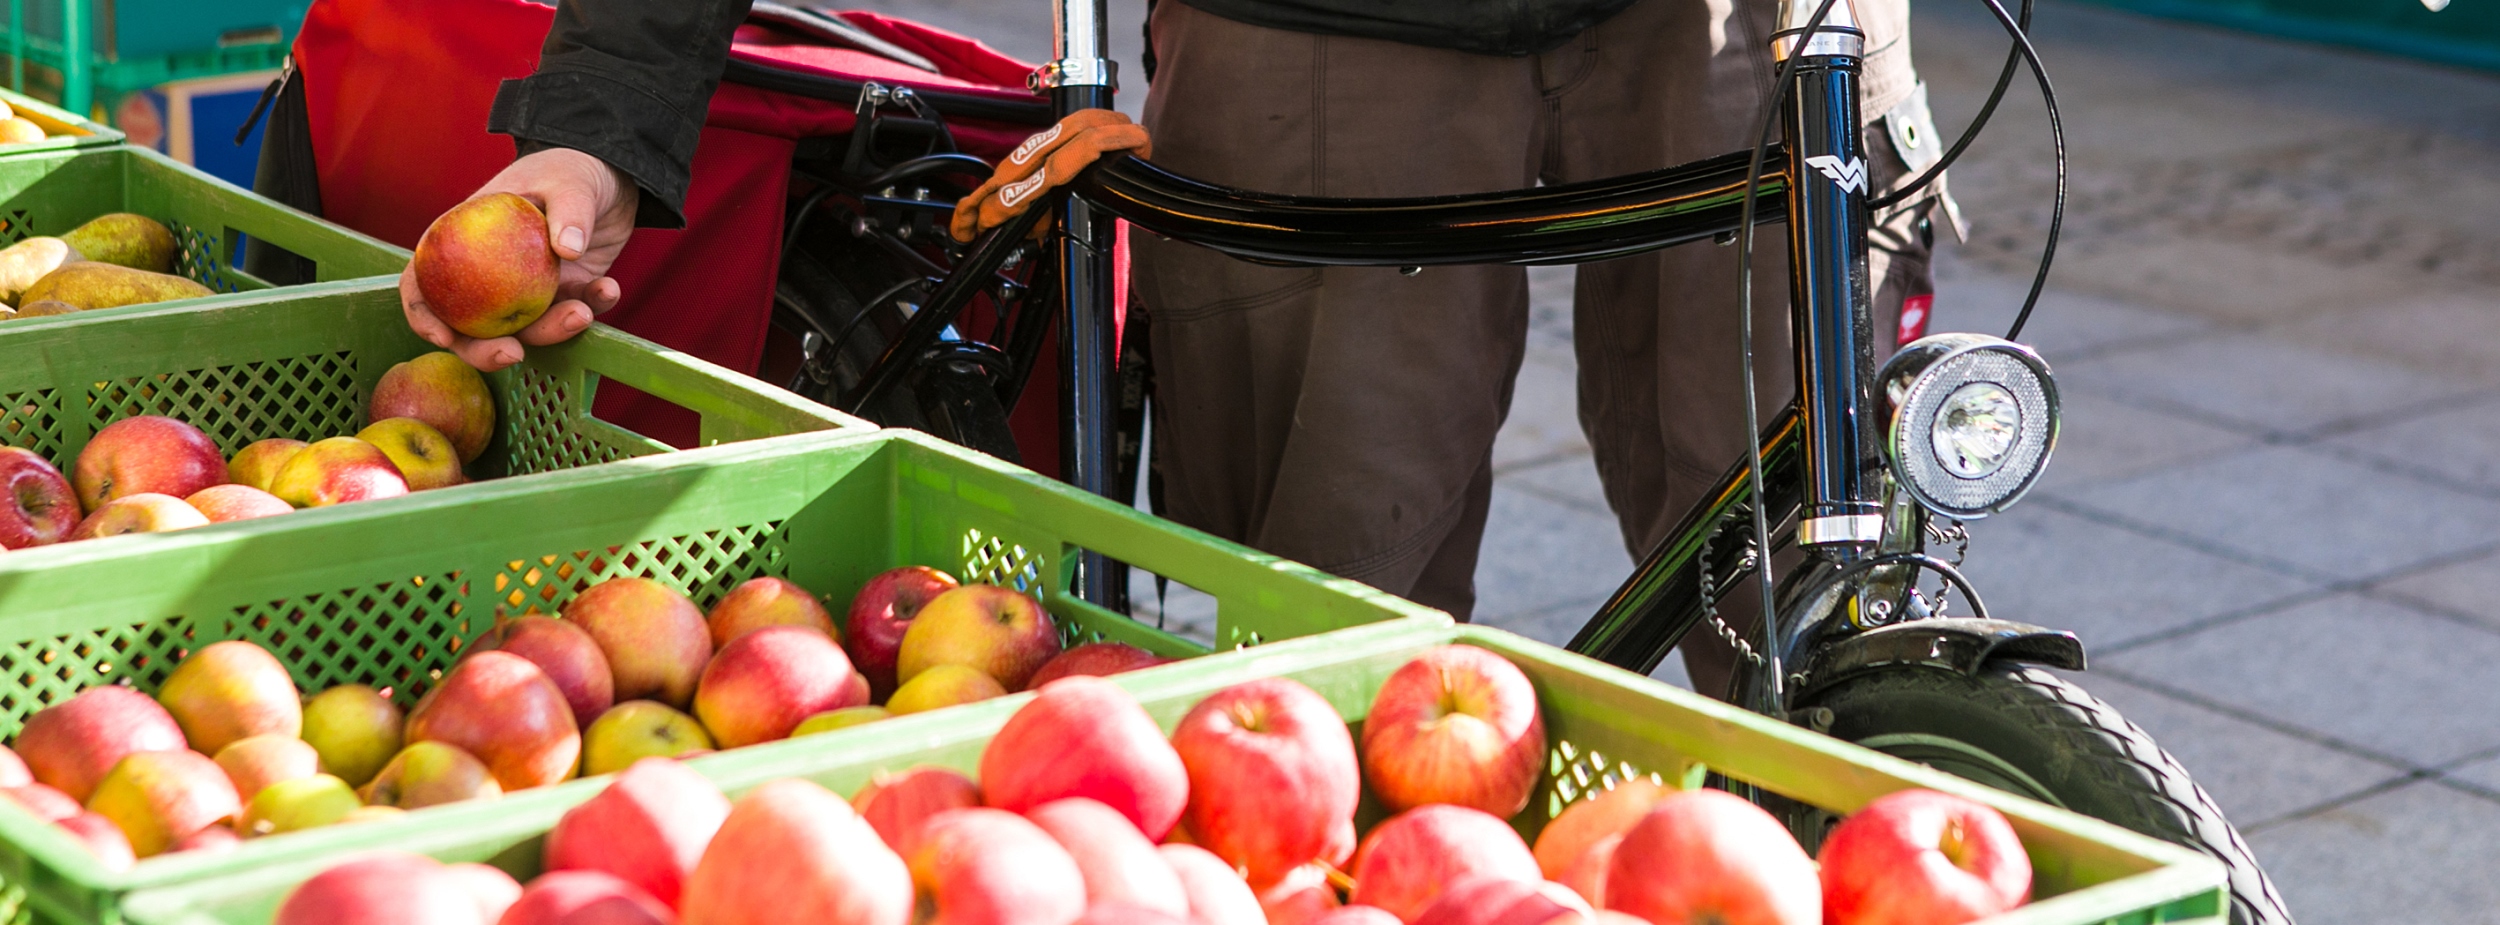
(1539, 554)
(2260, 382)
(1571, 480)
(2483, 773)
(1549, 305)
(2468, 589)
(2461, 444)
(2419, 854)
(2258, 774)
(2110, 586)
(2386, 678)
(2449, 334)
(1544, 421)
(2064, 325)
(2303, 509)
(2103, 438)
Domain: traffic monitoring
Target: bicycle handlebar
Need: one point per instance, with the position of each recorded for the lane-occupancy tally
(1569, 223)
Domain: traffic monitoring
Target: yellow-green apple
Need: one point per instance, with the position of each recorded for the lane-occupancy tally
(425, 458)
(37, 506)
(13, 772)
(844, 718)
(1708, 856)
(148, 453)
(898, 806)
(159, 797)
(791, 851)
(1271, 776)
(45, 802)
(1407, 860)
(441, 390)
(101, 838)
(293, 805)
(586, 897)
(880, 613)
(72, 744)
(489, 887)
(1456, 725)
(355, 729)
(763, 683)
(984, 866)
(430, 773)
(997, 630)
(211, 840)
(257, 465)
(336, 471)
(226, 503)
(231, 690)
(760, 602)
(1482, 899)
(484, 266)
(383, 888)
(566, 653)
(1608, 812)
(1299, 897)
(1118, 863)
(259, 761)
(1217, 896)
(1086, 737)
(1919, 856)
(1356, 914)
(655, 639)
(145, 512)
(1093, 658)
(639, 729)
(499, 707)
(649, 828)
(943, 686)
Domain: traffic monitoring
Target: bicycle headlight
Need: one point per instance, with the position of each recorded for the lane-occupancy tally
(1973, 420)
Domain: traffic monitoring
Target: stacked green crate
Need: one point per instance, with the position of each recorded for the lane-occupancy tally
(90, 52)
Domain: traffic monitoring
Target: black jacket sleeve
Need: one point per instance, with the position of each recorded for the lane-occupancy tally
(628, 82)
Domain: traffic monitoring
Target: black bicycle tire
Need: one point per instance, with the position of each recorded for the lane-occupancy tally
(2078, 747)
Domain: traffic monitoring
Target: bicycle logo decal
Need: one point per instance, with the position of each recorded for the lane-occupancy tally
(1851, 176)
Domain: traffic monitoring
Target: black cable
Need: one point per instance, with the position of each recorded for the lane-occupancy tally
(2057, 135)
(2005, 78)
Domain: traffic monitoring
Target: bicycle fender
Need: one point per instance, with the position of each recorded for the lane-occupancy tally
(1958, 644)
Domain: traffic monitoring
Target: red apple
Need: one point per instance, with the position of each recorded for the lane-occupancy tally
(45, 802)
(72, 744)
(229, 691)
(337, 471)
(997, 630)
(1216, 894)
(1271, 776)
(791, 851)
(382, 888)
(1125, 914)
(423, 456)
(760, 602)
(1087, 737)
(485, 267)
(101, 838)
(212, 840)
(880, 613)
(490, 888)
(649, 828)
(257, 465)
(655, 639)
(987, 867)
(765, 682)
(1407, 860)
(1919, 857)
(1708, 856)
(1587, 874)
(145, 512)
(227, 503)
(37, 506)
(441, 390)
(568, 656)
(1356, 914)
(13, 772)
(1299, 897)
(258, 761)
(1585, 823)
(502, 709)
(157, 798)
(1457, 725)
(1094, 658)
(1492, 900)
(586, 897)
(148, 453)
(900, 805)
(1119, 864)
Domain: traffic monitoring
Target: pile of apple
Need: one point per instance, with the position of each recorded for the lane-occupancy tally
(148, 474)
(1085, 813)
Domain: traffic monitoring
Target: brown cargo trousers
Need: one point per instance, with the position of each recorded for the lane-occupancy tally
(1344, 417)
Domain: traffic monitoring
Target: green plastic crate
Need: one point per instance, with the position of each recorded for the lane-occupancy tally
(1604, 725)
(68, 130)
(53, 192)
(387, 594)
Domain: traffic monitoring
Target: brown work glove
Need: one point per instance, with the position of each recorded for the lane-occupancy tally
(1050, 158)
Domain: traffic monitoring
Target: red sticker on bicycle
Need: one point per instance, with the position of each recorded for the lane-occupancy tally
(1914, 316)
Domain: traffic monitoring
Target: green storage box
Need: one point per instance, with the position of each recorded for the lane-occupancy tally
(68, 130)
(1604, 725)
(52, 192)
(386, 592)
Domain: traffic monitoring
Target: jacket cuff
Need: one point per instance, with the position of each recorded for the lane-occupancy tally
(633, 131)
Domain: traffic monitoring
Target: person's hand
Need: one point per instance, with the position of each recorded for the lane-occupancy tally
(590, 214)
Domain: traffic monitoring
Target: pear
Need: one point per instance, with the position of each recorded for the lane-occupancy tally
(24, 262)
(125, 239)
(92, 284)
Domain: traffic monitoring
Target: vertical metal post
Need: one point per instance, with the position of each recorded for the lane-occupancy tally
(1830, 292)
(77, 88)
(1082, 77)
(17, 45)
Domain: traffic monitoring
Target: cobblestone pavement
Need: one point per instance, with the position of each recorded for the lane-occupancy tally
(2275, 515)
